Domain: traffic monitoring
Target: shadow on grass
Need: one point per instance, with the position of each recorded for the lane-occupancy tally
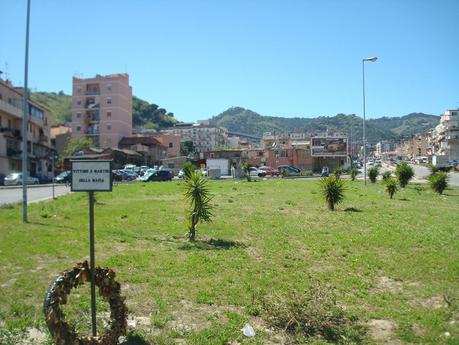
(352, 209)
(404, 199)
(53, 225)
(135, 339)
(212, 244)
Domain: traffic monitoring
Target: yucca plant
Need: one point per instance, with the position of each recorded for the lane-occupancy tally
(439, 182)
(404, 174)
(198, 194)
(386, 175)
(391, 186)
(246, 170)
(373, 173)
(433, 169)
(338, 172)
(354, 172)
(333, 190)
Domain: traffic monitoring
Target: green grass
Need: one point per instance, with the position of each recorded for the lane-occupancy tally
(388, 259)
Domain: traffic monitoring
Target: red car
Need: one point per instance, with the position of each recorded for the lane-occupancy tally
(270, 171)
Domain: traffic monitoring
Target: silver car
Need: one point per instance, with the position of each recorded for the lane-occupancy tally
(16, 179)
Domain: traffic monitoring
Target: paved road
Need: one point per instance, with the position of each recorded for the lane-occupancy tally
(14, 195)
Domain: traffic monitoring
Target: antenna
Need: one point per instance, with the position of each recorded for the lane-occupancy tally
(6, 71)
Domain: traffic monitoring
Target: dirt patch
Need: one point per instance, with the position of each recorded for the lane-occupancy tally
(435, 302)
(386, 284)
(418, 330)
(34, 336)
(382, 330)
(8, 283)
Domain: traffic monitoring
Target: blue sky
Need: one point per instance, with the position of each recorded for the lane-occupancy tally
(281, 58)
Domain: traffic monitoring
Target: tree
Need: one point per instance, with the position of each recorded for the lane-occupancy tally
(186, 147)
(373, 173)
(354, 172)
(332, 189)
(75, 145)
(404, 174)
(198, 194)
(391, 186)
(338, 172)
(439, 182)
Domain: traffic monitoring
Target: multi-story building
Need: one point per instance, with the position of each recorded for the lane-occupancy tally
(38, 140)
(445, 136)
(417, 146)
(383, 147)
(205, 137)
(102, 109)
(60, 136)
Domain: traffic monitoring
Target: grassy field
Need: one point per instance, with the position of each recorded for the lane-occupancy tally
(394, 264)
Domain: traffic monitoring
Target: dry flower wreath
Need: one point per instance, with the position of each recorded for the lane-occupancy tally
(64, 334)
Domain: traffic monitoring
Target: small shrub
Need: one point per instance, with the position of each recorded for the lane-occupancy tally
(338, 172)
(404, 174)
(354, 172)
(373, 173)
(313, 313)
(386, 175)
(433, 169)
(333, 190)
(307, 173)
(246, 169)
(391, 186)
(439, 182)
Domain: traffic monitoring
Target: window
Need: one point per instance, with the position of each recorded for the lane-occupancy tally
(78, 90)
(1, 97)
(9, 123)
(109, 100)
(171, 145)
(109, 127)
(78, 115)
(109, 114)
(78, 101)
(0, 121)
(78, 128)
(284, 153)
(109, 87)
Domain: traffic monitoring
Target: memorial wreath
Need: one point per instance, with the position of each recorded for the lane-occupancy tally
(64, 334)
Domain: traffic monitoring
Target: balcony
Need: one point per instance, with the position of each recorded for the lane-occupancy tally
(91, 105)
(11, 109)
(11, 133)
(92, 93)
(13, 153)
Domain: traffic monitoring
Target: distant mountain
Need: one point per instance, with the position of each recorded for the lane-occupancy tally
(144, 114)
(237, 119)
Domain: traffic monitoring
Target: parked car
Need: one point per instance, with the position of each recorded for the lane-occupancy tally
(16, 179)
(117, 175)
(255, 172)
(2, 179)
(63, 177)
(160, 175)
(270, 171)
(128, 175)
(289, 170)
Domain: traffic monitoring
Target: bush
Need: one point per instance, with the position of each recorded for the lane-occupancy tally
(313, 313)
(391, 186)
(439, 182)
(404, 174)
(433, 169)
(354, 172)
(373, 173)
(338, 172)
(198, 194)
(332, 190)
(386, 175)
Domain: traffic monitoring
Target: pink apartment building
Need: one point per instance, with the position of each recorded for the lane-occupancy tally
(102, 109)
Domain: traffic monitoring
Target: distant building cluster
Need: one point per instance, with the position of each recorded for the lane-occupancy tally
(102, 112)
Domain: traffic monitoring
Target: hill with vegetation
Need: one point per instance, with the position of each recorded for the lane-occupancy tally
(237, 119)
(144, 114)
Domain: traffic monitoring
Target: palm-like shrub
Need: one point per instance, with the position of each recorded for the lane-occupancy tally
(246, 170)
(198, 194)
(386, 175)
(433, 169)
(373, 173)
(354, 172)
(404, 174)
(338, 172)
(439, 182)
(333, 190)
(391, 186)
(188, 169)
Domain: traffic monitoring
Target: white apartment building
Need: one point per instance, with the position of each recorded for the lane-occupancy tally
(204, 137)
(445, 136)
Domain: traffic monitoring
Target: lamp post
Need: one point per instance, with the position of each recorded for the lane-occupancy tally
(25, 122)
(371, 59)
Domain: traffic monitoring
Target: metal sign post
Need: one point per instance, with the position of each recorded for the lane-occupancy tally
(90, 176)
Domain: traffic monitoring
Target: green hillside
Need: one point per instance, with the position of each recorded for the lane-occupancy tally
(238, 119)
(143, 113)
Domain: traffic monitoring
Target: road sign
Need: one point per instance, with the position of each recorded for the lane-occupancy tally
(91, 175)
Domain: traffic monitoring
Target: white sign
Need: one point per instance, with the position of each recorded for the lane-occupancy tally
(91, 175)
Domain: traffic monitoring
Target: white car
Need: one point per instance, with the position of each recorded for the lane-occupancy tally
(16, 179)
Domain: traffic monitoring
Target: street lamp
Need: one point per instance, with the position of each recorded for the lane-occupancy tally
(371, 59)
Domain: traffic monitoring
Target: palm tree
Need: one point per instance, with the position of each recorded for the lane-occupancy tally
(332, 190)
(198, 194)
(391, 186)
